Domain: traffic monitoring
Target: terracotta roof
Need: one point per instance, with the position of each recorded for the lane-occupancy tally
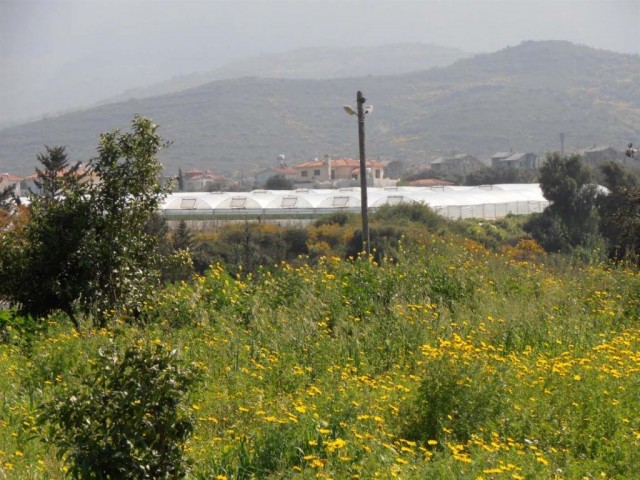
(9, 177)
(206, 176)
(193, 171)
(340, 162)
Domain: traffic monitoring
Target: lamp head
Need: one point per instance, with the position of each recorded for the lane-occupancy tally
(349, 110)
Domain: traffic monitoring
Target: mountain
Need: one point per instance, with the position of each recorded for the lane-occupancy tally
(521, 97)
(314, 63)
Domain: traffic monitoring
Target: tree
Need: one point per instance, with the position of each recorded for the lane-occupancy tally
(40, 266)
(180, 180)
(53, 179)
(279, 182)
(123, 256)
(8, 198)
(182, 237)
(496, 175)
(86, 246)
(620, 211)
(125, 418)
(567, 183)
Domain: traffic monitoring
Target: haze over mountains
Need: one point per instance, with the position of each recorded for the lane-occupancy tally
(520, 97)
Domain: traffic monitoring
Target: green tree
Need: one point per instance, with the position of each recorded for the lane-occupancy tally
(182, 237)
(124, 419)
(180, 180)
(567, 183)
(497, 175)
(86, 246)
(8, 198)
(124, 257)
(53, 179)
(40, 266)
(279, 182)
(620, 211)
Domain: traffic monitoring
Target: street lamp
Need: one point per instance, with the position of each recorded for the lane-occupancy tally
(361, 111)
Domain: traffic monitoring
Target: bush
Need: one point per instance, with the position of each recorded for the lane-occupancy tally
(456, 398)
(123, 419)
(410, 213)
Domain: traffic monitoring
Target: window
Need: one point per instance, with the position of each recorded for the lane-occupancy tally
(289, 202)
(316, 173)
(304, 173)
(238, 202)
(378, 173)
(188, 204)
(333, 174)
(340, 201)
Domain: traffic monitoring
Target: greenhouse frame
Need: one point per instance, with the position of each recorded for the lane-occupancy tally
(454, 202)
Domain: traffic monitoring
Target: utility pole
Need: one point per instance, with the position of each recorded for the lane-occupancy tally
(361, 111)
(366, 247)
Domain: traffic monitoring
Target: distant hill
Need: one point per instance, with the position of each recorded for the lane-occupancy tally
(521, 97)
(314, 63)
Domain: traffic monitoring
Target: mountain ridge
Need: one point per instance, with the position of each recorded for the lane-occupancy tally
(520, 97)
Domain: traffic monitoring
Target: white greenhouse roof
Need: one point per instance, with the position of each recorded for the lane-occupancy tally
(490, 201)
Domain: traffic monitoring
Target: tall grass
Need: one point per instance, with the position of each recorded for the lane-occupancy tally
(452, 360)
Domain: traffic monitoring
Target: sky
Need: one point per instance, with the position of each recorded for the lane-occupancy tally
(58, 55)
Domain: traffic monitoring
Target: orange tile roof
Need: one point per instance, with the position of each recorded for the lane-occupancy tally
(339, 162)
(9, 177)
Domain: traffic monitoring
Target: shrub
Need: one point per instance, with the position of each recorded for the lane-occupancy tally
(456, 398)
(123, 419)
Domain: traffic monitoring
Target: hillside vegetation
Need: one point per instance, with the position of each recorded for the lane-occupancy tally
(447, 360)
(521, 97)
(315, 63)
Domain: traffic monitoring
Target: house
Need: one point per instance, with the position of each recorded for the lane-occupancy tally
(29, 182)
(195, 180)
(8, 180)
(600, 154)
(286, 172)
(515, 160)
(462, 163)
(331, 170)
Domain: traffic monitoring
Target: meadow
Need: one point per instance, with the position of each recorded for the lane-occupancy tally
(446, 359)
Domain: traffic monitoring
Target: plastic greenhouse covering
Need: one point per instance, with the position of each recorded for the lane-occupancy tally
(487, 201)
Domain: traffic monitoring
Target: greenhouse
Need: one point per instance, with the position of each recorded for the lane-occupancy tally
(487, 201)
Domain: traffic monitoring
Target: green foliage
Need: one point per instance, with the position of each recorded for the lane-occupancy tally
(128, 195)
(42, 267)
(182, 237)
(279, 182)
(124, 419)
(406, 213)
(86, 243)
(572, 218)
(620, 212)
(18, 329)
(454, 399)
(344, 368)
(620, 223)
(616, 176)
(475, 105)
(57, 176)
(338, 218)
(497, 175)
(8, 198)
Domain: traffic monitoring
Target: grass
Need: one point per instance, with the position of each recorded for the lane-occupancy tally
(453, 361)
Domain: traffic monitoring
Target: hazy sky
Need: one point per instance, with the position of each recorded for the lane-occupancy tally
(61, 54)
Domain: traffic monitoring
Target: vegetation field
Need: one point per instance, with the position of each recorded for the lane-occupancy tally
(446, 359)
